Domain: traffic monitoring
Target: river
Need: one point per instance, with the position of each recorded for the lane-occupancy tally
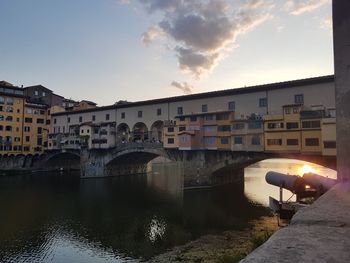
(59, 218)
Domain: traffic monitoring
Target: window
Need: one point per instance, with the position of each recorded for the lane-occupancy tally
(9, 109)
(26, 128)
(312, 142)
(8, 128)
(287, 110)
(179, 110)
(40, 121)
(263, 102)
(171, 140)
(28, 120)
(182, 128)
(93, 118)
(17, 139)
(224, 128)
(311, 124)
(292, 142)
(210, 117)
(254, 125)
(170, 129)
(292, 125)
(9, 101)
(107, 117)
(139, 114)
(224, 140)
(159, 112)
(184, 139)
(238, 140)
(193, 118)
(27, 138)
(44, 93)
(2, 100)
(299, 99)
(39, 141)
(36, 93)
(329, 144)
(231, 106)
(209, 140)
(295, 110)
(275, 125)
(238, 126)
(1, 128)
(182, 118)
(210, 128)
(256, 140)
(9, 118)
(54, 120)
(80, 119)
(2, 117)
(204, 108)
(68, 119)
(40, 130)
(222, 117)
(274, 142)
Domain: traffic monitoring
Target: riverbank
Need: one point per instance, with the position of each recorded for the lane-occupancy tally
(318, 233)
(229, 246)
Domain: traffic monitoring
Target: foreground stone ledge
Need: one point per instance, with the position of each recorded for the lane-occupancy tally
(318, 233)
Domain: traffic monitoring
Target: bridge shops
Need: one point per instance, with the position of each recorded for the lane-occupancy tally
(299, 129)
(257, 118)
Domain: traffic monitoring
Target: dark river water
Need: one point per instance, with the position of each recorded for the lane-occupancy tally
(60, 218)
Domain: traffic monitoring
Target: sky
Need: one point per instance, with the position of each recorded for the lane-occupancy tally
(111, 50)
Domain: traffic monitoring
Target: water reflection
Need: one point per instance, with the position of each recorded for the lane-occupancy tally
(256, 188)
(60, 218)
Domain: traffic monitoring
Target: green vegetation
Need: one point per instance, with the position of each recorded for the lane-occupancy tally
(260, 238)
(230, 258)
(256, 240)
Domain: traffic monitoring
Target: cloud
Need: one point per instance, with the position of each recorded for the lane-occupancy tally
(298, 7)
(152, 33)
(327, 23)
(201, 32)
(184, 86)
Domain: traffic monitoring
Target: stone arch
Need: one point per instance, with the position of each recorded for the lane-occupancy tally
(123, 132)
(132, 161)
(156, 132)
(140, 132)
(66, 160)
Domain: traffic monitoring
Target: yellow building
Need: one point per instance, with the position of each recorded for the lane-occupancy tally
(11, 118)
(35, 128)
(301, 130)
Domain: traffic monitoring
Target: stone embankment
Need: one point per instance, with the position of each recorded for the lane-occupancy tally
(318, 233)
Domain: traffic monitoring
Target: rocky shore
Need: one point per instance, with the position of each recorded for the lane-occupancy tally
(229, 246)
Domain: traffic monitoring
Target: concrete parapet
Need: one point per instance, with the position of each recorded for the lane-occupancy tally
(318, 233)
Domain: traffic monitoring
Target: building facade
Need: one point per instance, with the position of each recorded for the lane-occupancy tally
(194, 122)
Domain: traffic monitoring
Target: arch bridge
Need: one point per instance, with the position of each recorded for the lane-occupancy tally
(201, 167)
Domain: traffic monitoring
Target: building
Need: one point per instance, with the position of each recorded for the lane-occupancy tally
(12, 101)
(35, 128)
(42, 95)
(185, 122)
(301, 129)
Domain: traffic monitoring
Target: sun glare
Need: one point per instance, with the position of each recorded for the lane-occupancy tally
(306, 169)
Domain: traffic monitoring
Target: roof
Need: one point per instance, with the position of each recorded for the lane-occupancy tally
(89, 102)
(38, 86)
(4, 83)
(220, 93)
